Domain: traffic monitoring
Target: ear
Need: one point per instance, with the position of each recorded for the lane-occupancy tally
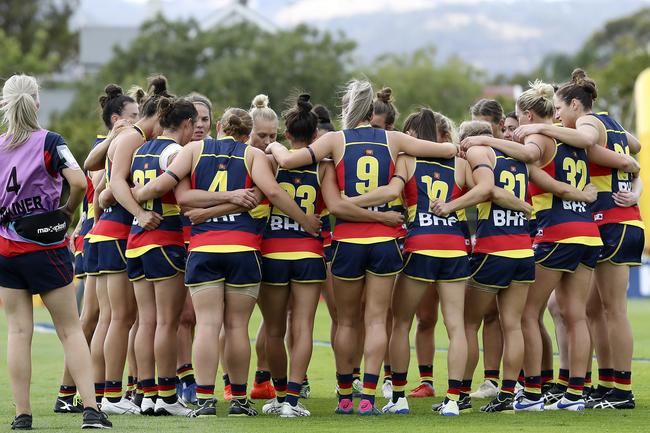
(314, 136)
(574, 104)
(114, 118)
(288, 135)
(529, 116)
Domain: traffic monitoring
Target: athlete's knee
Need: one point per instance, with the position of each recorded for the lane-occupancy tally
(187, 318)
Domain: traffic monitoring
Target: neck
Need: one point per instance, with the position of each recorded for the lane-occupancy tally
(299, 144)
(147, 126)
(174, 135)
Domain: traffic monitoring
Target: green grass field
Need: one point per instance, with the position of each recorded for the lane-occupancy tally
(48, 362)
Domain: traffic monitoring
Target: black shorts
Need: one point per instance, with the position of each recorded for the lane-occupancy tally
(565, 257)
(622, 244)
(38, 272)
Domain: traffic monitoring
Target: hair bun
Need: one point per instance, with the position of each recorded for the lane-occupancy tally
(113, 91)
(385, 95)
(234, 120)
(542, 89)
(260, 101)
(303, 103)
(158, 85)
(322, 113)
(165, 106)
(579, 78)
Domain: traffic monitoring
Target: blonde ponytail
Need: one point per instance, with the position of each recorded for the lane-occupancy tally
(19, 108)
(538, 99)
(356, 103)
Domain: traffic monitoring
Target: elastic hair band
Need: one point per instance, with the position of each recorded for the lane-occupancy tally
(482, 165)
(313, 155)
(172, 174)
(400, 178)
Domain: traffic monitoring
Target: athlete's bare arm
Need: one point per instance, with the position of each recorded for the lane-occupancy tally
(481, 162)
(404, 168)
(560, 189)
(349, 211)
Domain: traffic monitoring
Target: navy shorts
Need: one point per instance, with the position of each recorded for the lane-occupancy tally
(160, 263)
(436, 269)
(110, 256)
(492, 273)
(565, 257)
(622, 244)
(281, 272)
(234, 269)
(79, 270)
(329, 252)
(352, 261)
(39, 271)
(91, 258)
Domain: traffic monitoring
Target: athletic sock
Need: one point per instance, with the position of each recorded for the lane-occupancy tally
(533, 388)
(130, 384)
(99, 392)
(369, 386)
(588, 386)
(453, 389)
(280, 386)
(238, 391)
(388, 374)
(293, 393)
(344, 382)
(262, 376)
(113, 390)
(67, 391)
(186, 374)
(204, 393)
(149, 388)
(426, 374)
(507, 389)
(167, 389)
(622, 383)
(226, 380)
(492, 376)
(356, 373)
(575, 389)
(563, 379)
(547, 376)
(605, 379)
(138, 388)
(466, 386)
(399, 383)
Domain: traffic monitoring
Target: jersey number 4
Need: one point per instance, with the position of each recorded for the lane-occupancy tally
(12, 183)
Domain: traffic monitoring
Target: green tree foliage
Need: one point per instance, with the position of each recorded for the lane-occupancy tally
(229, 65)
(36, 35)
(613, 56)
(418, 80)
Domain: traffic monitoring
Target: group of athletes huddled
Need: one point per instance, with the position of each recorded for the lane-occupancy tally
(185, 228)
